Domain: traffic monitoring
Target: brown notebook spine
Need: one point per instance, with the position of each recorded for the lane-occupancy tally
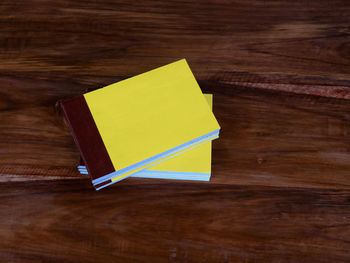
(87, 137)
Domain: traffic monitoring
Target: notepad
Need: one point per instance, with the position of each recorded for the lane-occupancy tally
(133, 124)
(191, 165)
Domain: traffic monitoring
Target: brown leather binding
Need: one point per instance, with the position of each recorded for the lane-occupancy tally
(87, 137)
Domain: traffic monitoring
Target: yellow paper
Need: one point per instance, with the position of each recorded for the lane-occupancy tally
(151, 113)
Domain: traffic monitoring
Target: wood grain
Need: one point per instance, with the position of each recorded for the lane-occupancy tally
(280, 75)
(281, 139)
(64, 221)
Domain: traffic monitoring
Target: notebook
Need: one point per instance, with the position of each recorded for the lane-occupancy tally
(133, 124)
(191, 165)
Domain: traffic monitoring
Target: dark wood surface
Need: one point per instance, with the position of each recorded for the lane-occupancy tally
(280, 75)
(136, 221)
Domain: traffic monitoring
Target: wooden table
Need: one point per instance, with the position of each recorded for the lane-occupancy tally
(280, 75)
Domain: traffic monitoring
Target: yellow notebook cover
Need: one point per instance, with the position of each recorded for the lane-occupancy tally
(140, 121)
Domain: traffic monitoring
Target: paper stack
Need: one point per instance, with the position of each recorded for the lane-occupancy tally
(154, 125)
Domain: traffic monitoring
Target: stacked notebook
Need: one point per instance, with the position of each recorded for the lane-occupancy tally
(154, 125)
